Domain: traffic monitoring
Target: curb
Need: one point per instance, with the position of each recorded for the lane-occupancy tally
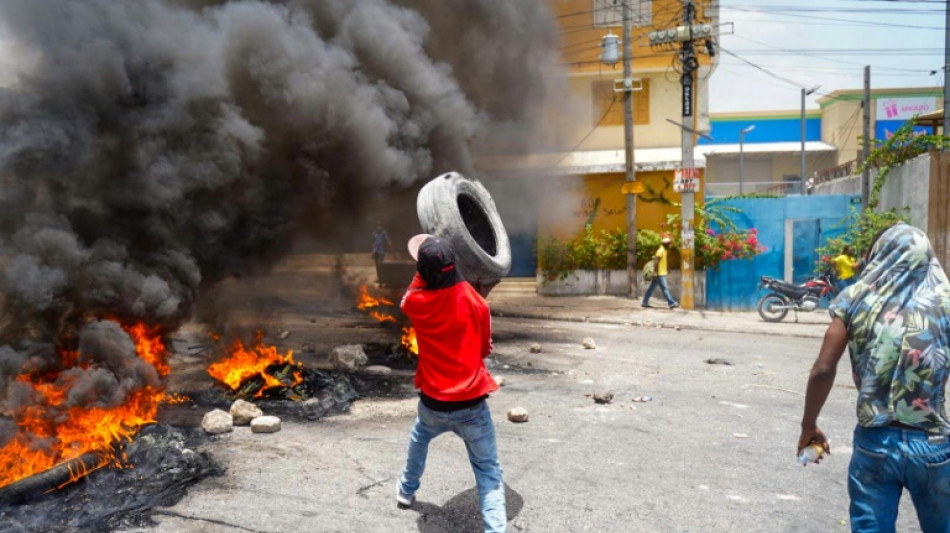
(502, 313)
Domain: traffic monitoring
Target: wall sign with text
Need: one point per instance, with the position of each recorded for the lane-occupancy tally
(686, 180)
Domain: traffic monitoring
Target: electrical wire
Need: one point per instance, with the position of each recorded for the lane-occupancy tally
(767, 71)
(818, 56)
(589, 133)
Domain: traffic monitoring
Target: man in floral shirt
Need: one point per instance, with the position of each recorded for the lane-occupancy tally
(895, 321)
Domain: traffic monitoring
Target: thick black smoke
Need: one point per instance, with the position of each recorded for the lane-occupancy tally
(151, 148)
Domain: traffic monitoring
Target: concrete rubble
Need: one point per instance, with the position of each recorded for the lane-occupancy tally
(242, 412)
(216, 422)
(348, 357)
(265, 424)
(518, 415)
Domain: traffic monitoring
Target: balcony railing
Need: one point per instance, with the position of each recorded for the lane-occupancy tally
(841, 171)
(731, 188)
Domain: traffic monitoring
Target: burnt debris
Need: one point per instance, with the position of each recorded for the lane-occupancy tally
(165, 463)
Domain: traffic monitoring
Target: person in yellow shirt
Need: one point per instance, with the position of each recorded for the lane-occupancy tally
(660, 266)
(845, 266)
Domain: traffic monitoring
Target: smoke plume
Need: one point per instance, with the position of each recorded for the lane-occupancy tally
(149, 149)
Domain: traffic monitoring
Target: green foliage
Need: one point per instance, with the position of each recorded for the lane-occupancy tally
(712, 247)
(861, 228)
(608, 249)
(589, 251)
(647, 243)
(904, 145)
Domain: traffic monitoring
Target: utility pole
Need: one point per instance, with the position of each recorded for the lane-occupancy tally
(688, 81)
(802, 177)
(866, 140)
(687, 176)
(946, 74)
(631, 173)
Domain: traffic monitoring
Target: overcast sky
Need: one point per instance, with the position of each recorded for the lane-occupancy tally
(902, 40)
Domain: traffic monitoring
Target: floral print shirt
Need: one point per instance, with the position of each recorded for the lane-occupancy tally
(898, 319)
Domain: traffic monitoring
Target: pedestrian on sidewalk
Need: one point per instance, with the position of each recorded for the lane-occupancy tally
(660, 267)
(895, 320)
(381, 245)
(453, 330)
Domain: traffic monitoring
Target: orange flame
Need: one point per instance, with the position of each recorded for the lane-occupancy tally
(409, 340)
(247, 362)
(69, 432)
(365, 301)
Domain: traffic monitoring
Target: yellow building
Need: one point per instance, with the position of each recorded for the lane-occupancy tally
(584, 184)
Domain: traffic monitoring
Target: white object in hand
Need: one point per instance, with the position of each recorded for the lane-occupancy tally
(810, 454)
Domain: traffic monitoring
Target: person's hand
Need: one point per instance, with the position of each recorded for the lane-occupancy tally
(810, 436)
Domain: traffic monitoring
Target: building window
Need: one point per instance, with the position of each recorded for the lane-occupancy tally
(609, 13)
(608, 105)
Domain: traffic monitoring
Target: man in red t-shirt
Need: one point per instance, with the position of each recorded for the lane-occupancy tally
(453, 330)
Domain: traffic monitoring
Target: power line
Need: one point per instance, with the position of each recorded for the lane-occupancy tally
(769, 72)
(849, 21)
(584, 138)
(807, 54)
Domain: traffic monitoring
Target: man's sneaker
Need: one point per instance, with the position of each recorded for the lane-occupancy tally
(645, 305)
(404, 500)
(674, 305)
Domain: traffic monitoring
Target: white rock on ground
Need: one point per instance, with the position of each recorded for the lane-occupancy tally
(348, 357)
(535, 348)
(217, 421)
(377, 370)
(243, 412)
(589, 343)
(518, 414)
(265, 424)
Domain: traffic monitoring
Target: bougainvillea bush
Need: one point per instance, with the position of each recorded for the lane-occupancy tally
(607, 250)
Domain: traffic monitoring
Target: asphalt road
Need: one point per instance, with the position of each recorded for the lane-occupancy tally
(713, 451)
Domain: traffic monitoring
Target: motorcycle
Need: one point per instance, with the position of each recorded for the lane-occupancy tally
(774, 306)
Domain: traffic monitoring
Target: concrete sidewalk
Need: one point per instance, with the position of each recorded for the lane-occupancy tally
(519, 300)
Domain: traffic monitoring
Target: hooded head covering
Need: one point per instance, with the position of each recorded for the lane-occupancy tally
(436, 263)
(898, 320)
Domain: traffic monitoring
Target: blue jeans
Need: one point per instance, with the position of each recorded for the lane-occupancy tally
(475, 427)
(661, 281)
(885, 461)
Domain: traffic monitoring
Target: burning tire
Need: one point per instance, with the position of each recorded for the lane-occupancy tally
(461, 210)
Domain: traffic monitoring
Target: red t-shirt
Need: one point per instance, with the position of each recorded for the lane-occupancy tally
(453, 330)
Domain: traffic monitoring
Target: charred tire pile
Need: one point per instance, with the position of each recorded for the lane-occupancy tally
(460, 209)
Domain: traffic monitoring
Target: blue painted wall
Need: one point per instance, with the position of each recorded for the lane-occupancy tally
(766, 130)
(734, 285)
(883, 129)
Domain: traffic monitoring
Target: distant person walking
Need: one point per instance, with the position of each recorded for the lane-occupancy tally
(659, 280)
(895, 320)
(381, 245)
(453, 329)
(845, 267)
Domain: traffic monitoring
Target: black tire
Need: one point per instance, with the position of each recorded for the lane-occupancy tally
(766, 310)
(460, 209)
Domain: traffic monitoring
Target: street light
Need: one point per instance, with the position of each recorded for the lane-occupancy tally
(741, 135)
(805, 92)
